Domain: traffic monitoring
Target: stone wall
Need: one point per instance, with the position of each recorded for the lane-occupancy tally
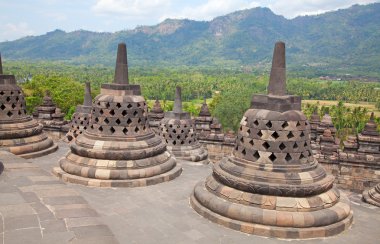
(217, 150)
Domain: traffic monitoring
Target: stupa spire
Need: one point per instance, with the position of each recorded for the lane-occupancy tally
(277, 79)
(178, 101)
(87, 95)
(121, 68)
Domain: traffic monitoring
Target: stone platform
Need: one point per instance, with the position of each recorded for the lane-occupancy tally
(35, 207)
(155, 214)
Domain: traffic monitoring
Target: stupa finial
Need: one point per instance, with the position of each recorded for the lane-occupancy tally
(277, 80)
(121, 69)
(178, 101)
(87, 95)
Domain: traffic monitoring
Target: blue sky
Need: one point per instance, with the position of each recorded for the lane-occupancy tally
(21, 18)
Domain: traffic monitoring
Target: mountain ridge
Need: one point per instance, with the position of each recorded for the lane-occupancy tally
(343, 40)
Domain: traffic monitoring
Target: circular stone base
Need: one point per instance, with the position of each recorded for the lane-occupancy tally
(371, 196)
(170, 175)
(40, 153)
(272, 231)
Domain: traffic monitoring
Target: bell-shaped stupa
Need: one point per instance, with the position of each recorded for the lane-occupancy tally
(118, 149)
(81, 117)
(271, 185)
(203, 122)
(177, 130)
(20, 134)
(155, 115)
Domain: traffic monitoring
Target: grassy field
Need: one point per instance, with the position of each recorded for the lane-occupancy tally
(370, 106)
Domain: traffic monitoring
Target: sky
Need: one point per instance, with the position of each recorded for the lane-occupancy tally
(20, 18)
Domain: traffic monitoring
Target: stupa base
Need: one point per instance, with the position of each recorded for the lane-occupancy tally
(277, 223)
(198, 154)
(372, 196)
(167, 176)
(31, 148)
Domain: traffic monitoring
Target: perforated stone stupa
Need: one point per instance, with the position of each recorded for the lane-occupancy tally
(81, 117)
(177, 130)
(155, 115)
(271, 185)
(20, 134)
(118, 149)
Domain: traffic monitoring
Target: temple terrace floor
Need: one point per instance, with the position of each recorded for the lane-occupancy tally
(36, 207)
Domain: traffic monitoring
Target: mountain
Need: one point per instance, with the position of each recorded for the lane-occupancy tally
(342, 40)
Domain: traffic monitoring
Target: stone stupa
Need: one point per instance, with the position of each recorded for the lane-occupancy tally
(271, 185)
(81, 117)
(203, 122)
(20, 134)
(155, 115)
(177, 130)
(51, 117)
(369, 144)
(118, 149)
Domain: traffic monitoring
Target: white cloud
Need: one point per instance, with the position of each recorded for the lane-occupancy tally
(291, 9)
(212, 9)
(12, 31)
(130, 7)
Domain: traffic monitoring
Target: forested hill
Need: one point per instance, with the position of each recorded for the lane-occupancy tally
(345, 40)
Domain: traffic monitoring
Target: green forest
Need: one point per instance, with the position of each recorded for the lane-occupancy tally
(228, 92)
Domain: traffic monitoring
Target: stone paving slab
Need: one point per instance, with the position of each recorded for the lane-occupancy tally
(35, 207)
(155, 214)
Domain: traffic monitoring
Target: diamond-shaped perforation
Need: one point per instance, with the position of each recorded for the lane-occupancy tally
(2, 93)
(174, 142)
(256, 155)
(118, 105)
(101, 111)
(295, 146)
(244, 152)
(125, 130)
(2, 107)
(137, 129)
(251, 142)
(269, 124)
(112, 130)
(302, 156)
(129, 105)
(302, 134)
(13, 105)
(298, 124)
(8, 99)
(96, 119)
(290, 135)
(284, 125)
(118, 121)
(129, 121)
(266, 145)
(9, 114)
(124, 113)
(275, 135)
(260, 134)
(100, 128)
(272, 157)
(288, 157)
(256, 122)
(108, 105)
(135, 113)
(282, 146)
(106, 121)
(112, 112)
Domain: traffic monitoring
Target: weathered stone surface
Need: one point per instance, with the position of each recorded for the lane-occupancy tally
(271, 185)
(156, 114)
(19, 133)
(49, 115)
(177, 131)
(118, 149)
(359, 161)
(81, 117)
